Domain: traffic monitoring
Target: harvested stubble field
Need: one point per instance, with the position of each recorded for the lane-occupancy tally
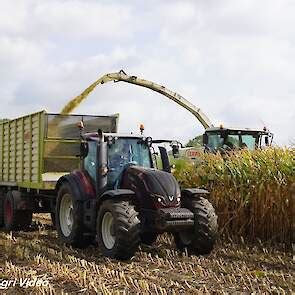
(159, 269)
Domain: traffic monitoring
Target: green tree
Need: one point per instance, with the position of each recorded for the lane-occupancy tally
(195, 142)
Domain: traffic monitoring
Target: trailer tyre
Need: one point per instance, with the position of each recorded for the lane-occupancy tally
(69, 219)
(201, 239)
(118, 229)
(1, 211)
(15, 219)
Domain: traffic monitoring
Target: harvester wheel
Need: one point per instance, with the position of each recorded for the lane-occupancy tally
(69, 219)
(201, 239)
(118, 229)
(148, 238)
(15, 219)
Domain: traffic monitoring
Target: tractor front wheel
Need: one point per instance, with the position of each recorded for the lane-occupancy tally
(201, 239)
(118, 229)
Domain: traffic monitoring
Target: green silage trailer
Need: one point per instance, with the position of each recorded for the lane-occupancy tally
(35, 152)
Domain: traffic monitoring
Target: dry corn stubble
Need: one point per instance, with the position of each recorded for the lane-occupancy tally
(159, 269)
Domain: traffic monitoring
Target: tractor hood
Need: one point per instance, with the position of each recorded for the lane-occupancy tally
(152, 186)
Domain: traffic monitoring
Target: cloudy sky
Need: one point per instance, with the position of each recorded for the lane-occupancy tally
(234, 58)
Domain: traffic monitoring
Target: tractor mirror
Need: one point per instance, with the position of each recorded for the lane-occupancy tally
(84, 149)
(175, 151)
(205, 139)
(165, 159)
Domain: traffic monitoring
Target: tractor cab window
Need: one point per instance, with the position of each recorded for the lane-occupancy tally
(90, 161)
(124, 152)
(248, 141)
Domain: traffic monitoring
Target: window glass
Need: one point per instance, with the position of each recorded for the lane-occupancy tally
(90, 161)
(232, 141)
(123, 152)
(214, 141)
(248, 141)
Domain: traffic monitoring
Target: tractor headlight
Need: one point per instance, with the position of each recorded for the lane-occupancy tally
(160, 199)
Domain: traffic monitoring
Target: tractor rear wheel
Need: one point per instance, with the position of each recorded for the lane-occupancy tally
(53, 219)
(201, 239)
(118, 229)
(15, 219)
(69, 219)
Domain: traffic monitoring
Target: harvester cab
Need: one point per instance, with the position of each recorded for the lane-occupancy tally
(133, 201)
(229, 139)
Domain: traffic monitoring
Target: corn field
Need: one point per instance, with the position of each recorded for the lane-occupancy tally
(252, 192)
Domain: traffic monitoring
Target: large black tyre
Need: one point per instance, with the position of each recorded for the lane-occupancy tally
(201, 239)
(69, 219)
(118, 229)
(148, 238)
(1, 210)
(53, 219)
(15, 219)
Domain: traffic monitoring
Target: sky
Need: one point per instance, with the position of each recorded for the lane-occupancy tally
(235, 59)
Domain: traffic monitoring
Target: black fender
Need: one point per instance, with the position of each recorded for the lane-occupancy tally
(80, 185)
(118, 194)
(74, 184)
(194, 192)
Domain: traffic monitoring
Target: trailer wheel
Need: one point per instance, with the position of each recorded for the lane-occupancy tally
(15, 219)
(118, 229)
(201, 239)
(148, 238)
(69, 219)
(1, 210)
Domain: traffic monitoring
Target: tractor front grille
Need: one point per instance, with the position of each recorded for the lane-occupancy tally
(176, 213)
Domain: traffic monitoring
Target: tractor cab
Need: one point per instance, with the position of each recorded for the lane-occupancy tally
(229, 139)
(107, 155)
